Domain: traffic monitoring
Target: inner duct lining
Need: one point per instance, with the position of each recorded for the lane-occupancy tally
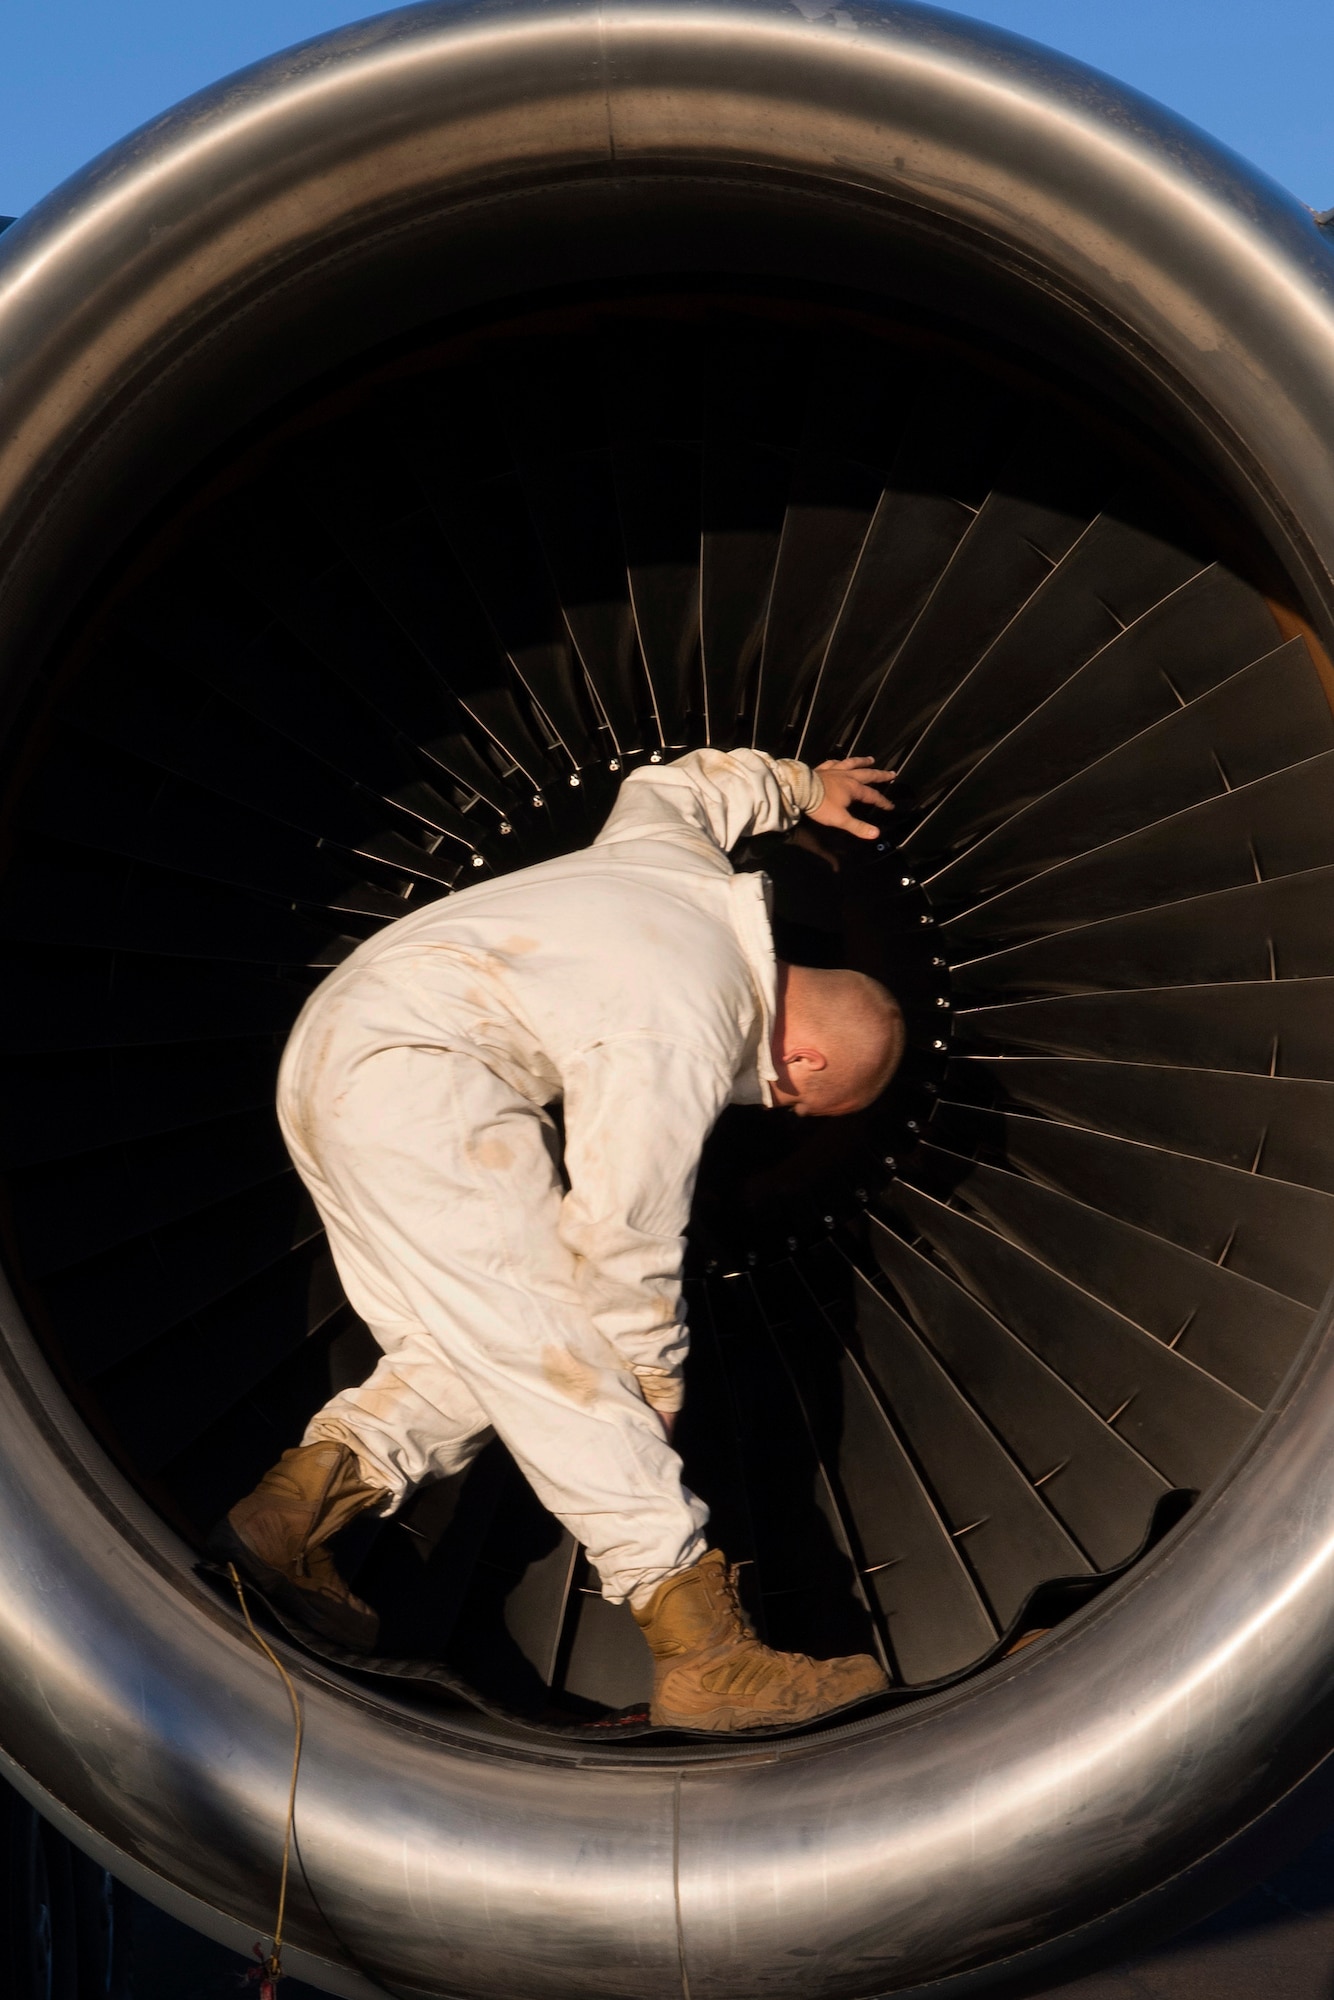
(943, 1353)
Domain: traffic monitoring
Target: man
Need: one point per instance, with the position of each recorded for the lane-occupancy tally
(635, 982)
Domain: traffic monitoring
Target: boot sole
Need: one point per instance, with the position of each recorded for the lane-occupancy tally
(728, 1722)
(355, 1634)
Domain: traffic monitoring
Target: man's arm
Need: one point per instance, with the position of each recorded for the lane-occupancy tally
(637, 1112)
(711, 799)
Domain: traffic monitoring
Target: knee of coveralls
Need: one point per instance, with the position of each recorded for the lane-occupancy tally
(412, 1420)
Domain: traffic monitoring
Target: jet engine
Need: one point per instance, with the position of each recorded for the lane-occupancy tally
(402, 442)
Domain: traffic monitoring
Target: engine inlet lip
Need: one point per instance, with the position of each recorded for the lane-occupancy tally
(1175, 1711)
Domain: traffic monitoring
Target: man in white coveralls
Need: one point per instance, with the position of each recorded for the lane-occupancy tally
(636, 982)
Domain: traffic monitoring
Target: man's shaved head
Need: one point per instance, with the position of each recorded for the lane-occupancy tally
(838, 1040)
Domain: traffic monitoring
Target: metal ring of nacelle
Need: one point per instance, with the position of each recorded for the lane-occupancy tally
(432, 161)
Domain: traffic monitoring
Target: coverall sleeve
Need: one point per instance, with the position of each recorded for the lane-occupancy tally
(638, 1109)
(711, 799)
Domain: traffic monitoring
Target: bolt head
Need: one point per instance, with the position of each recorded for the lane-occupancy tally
(924, 920)
(913, 1125)
(477, 861)
(574, 777)
(614, 764)
(505, 826)
(906, 882)
(938, 963)
(890, 1162)
(829, 1222)
(937, 1045)
(655, 756)
(538, 801)
(942, 1001)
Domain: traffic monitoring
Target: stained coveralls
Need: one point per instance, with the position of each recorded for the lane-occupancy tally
(635, 982)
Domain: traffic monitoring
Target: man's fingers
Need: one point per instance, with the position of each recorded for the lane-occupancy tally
(852, 781)
(831, 815)
(866, 797)
(858, 767)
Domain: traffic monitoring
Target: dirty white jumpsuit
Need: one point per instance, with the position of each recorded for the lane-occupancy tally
(635, 981)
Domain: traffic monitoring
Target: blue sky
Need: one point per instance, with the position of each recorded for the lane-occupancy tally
(77, 74)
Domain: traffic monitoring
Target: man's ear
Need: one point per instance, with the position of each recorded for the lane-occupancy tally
(814, 1059)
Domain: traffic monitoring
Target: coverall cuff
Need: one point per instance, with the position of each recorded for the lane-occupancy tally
(661, 1388)
(642, 1593)
(375, 1470)
(808, 786)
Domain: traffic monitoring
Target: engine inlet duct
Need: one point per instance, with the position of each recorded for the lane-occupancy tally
(402, 442)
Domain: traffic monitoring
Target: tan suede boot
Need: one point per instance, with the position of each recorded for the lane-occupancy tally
(712, 1672)
(277, 1538)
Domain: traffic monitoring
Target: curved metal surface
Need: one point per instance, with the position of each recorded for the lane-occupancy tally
(150, 309)
(119, 293)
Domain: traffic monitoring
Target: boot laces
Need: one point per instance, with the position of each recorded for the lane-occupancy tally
(748, 1667)
(730, 1582)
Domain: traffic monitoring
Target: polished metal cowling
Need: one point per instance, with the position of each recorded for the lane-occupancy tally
(439, 166)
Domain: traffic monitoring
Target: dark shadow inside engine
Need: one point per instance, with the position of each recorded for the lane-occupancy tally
(413, 633)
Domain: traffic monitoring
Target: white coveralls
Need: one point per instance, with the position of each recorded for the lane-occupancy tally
(635, 980)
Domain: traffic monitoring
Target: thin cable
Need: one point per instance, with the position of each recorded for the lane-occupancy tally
(273, 1965)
